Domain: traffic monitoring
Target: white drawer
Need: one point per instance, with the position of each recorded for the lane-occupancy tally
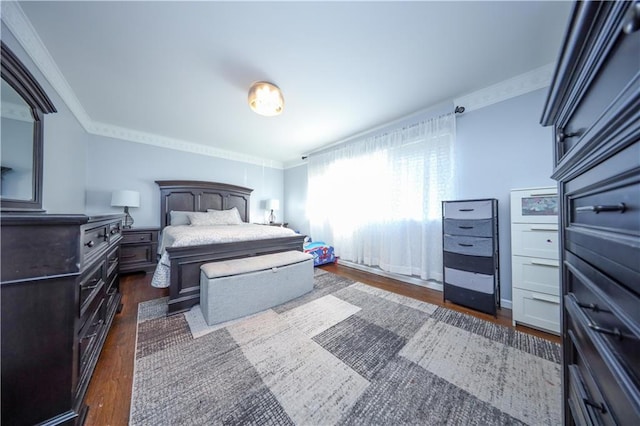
(468, 209)
(538, 205)
(538, 310)
(535, 274)
(535, 240)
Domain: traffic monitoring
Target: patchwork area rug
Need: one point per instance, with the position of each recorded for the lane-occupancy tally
(346, 353)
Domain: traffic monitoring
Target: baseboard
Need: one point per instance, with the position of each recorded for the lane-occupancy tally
(433, 285)
(409, 280)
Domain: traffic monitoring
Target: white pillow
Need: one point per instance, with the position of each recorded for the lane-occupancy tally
(178, 217)
(231, 216)
(215, 217)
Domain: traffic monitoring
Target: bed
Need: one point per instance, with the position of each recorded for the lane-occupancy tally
(179, 266)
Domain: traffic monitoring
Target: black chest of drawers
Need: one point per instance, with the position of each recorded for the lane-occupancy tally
(471, 265)
(594, 106)
(59, 295)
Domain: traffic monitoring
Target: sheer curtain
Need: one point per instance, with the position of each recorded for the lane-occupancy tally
(378, 200)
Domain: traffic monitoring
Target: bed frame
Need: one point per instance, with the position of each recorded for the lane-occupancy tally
(185, 262)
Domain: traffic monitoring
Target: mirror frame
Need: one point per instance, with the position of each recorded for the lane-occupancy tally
(18, 76)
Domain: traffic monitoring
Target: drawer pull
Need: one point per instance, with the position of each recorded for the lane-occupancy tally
(90, 287)
(615, 332)
(533, 262)
(631, 22)
(544, 299)
(598, 406)
(90, 244)
(114, 231)
(94, 334)
(590, 306)
(465, 245)
(465, 227)
(597, 209)
(466, 210)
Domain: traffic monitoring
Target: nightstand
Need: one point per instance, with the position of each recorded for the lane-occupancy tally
(138, 249)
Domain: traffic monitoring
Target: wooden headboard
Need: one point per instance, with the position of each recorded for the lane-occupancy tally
(198, 196)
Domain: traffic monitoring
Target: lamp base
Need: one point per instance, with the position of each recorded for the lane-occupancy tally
(272, 217)
(128, 220)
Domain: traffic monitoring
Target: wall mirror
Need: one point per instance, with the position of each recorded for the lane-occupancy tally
(23, 104)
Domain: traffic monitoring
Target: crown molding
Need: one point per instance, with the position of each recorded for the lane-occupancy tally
(111, 131)
(515, 86)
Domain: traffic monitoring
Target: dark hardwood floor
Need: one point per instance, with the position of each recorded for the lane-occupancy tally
(109, 393)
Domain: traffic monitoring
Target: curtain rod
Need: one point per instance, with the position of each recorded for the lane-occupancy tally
(457, 110)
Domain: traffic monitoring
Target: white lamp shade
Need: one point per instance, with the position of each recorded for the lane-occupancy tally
(273, 204)
(125, 198)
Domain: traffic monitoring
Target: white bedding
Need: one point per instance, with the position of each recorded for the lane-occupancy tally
(185, 235)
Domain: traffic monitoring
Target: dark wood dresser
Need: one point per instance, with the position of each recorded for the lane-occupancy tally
(59, 295)
(139, 250)
(594, 108)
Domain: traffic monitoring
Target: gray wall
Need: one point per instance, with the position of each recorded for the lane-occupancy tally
(498, 148)
(115, 164)
(295, 190)
(64, 169)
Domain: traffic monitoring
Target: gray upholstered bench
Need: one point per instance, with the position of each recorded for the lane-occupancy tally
(234, 288)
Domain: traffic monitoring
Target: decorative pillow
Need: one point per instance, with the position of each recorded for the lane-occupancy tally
(215, 217)
(231, 216)
(178, 217)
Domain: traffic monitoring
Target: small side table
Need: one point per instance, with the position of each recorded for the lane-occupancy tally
(138, 249)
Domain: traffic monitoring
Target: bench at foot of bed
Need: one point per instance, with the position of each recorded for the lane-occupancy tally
(235, 288)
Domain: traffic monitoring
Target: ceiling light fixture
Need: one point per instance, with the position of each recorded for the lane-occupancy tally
(266, 99)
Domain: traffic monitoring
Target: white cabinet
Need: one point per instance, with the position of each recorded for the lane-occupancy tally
(534, 258)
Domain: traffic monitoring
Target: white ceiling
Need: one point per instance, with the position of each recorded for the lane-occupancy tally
(182, 69)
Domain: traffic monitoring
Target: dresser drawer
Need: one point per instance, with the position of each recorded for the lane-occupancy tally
(609, 239)
(612, 312)
(132, 237)
(115, 231)
(587, 410)
(470, 280)
(535, 240)
(468, 209)
(537, 309)
(620, 66)
(618, 389)
(585, 400)
(94, 239)
(91, 285)
(535, 274)
(89, 337)
(471, 246)
(136, 254)
(614, 207)
(477, 228)
(91, 307)
(538, 205)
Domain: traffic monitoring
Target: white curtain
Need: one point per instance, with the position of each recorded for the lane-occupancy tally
(378, 200)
